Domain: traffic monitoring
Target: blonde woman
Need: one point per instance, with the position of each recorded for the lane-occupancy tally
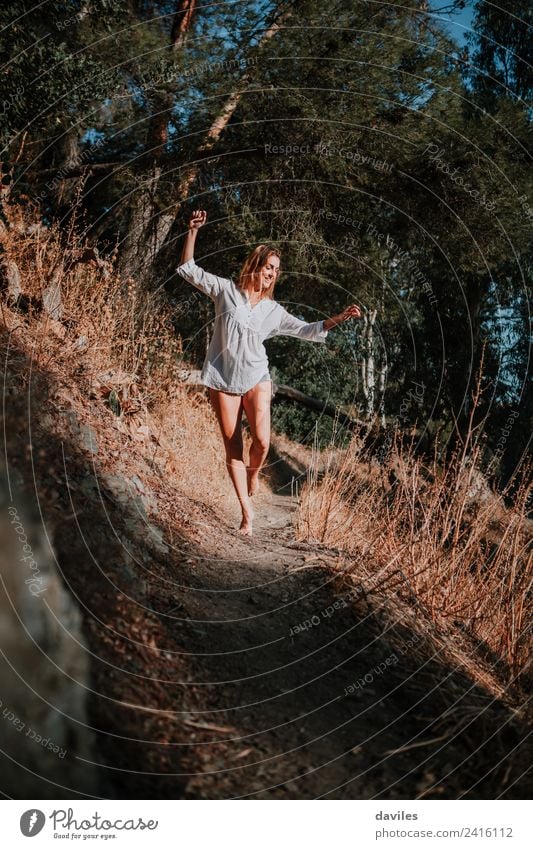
(236, 365)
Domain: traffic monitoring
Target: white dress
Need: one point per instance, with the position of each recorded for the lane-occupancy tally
(236, 359)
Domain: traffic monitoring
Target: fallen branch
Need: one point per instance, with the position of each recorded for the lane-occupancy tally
(205, 726)
(282, 391)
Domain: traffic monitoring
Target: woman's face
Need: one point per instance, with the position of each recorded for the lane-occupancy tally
(269, 272)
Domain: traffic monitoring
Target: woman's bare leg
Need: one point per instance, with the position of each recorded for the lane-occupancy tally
(256, 403)
(228, 409)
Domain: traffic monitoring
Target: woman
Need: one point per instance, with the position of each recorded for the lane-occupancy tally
(236, 365)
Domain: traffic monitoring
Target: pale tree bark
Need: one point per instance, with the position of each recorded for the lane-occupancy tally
(474, 299)
(368, 362)
(382, 370)
(382, 382)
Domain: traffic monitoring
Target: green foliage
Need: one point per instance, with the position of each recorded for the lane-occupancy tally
(502, 51)
(389, 168)
(327, 372)
(52, 59)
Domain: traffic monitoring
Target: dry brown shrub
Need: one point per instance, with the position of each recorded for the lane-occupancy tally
(437, 537)
(111, 329)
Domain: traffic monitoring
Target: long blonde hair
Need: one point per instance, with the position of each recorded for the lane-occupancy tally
(253, 264)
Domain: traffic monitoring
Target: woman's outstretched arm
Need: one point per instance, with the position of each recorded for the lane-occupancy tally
(315, 331)
(290, 325)
(208, 283)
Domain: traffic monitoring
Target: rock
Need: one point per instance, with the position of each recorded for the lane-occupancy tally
(87, 439)
(138, 483)
(155, 539)
(126, 490)
(12, 277)
(52, 296)
(81, 343)
(44, 734)
(89, 487)
(82, 435)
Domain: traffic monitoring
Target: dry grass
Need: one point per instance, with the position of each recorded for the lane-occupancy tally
(117, 342)
(118, 324)
(442, 542)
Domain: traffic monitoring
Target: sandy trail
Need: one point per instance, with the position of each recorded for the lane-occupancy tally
(275, 646)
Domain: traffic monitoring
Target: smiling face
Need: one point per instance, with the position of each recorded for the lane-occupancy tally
(268, 274)
(260, 272)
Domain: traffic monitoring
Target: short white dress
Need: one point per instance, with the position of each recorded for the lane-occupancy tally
(236, 359)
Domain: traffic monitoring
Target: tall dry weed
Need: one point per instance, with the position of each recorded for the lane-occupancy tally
(438, 537)
(111, 326)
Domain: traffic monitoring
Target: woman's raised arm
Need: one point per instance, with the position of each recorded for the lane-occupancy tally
(197, 220)
(208, 283)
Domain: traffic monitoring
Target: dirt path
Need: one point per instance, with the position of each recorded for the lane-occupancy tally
(270, 647)
(224, 667)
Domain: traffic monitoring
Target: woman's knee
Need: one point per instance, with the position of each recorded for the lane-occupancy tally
(234, 447)
(261, 442)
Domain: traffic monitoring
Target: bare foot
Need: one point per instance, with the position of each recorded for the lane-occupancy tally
(253, 481)
(246, 523)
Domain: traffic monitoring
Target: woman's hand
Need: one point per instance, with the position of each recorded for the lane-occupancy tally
(197, 219)
(352, 311)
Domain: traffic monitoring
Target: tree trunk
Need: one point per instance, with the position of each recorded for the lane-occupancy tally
(368, 362)
(462, 402)
(382, 381)
(141, 241)
(282, 391)
(169, 224)
(67, 155)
